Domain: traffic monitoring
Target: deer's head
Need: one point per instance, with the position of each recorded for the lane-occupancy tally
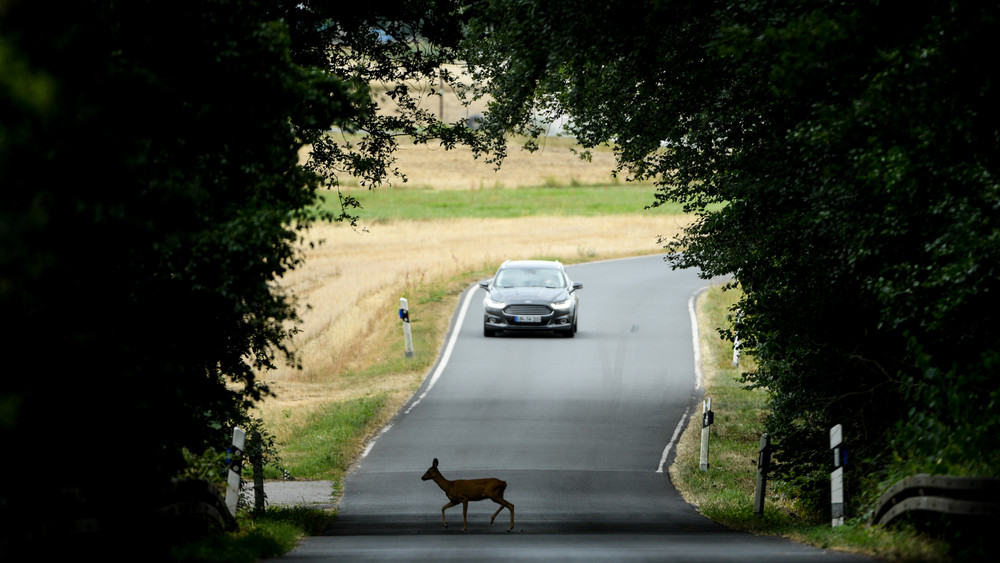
(432, 471)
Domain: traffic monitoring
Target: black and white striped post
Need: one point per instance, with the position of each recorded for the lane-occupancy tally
(736, 339)
(707, 418)
(837, 506)
(235, 480)
(404, 314)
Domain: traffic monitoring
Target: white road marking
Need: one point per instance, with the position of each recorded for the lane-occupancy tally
(447, 351)
(696, 341)
(371, 444)
(673, 440)
(695, 337)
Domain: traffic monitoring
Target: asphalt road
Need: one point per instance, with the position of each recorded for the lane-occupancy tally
(580, 429)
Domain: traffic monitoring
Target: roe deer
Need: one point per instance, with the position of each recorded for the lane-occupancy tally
(461, 491)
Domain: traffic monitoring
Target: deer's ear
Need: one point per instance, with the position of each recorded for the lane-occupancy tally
(435, 464)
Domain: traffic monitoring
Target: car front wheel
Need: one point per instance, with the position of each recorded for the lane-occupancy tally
(571, 332)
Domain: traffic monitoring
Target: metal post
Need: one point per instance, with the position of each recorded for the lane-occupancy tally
(404, 313)
(235, 468)
(763, 462)
(837, 506)
(707, 418)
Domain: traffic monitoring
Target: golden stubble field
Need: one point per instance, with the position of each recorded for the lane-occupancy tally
(555, 162)
(350, 286)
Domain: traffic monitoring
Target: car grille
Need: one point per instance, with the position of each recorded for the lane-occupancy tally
(527, 310)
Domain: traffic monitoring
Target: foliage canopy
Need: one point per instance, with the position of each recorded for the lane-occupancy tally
(152, 197)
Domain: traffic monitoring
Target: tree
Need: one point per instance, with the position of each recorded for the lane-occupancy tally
(151, 198)
(842, 162)
(405, 53)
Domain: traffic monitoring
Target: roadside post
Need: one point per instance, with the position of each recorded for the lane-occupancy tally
(707, 418)
(257, 462)
(837, 505)
(404, 313)
(736, 339)
(763, 463)
(235, 469)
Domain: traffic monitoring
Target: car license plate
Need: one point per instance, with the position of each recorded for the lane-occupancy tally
(528, 318)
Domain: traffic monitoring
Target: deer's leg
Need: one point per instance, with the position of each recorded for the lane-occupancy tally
(492, 518)
(504, 504)
(465, 511)
(443, 508)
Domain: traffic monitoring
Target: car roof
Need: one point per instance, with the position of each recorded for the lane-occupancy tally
(531, 264)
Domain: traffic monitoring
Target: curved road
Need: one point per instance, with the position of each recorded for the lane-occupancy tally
(579, 428)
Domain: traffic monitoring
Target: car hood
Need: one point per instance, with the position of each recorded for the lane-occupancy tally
(525, 294)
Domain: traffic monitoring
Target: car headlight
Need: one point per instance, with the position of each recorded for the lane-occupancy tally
(562, 305)
(494, 304)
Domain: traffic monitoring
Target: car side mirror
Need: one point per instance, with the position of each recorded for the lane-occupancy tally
(577, 285)
(485, 284)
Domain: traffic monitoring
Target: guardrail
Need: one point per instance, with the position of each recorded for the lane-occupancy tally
(976, 497)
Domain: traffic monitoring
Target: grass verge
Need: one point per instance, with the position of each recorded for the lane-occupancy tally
(271, 535)
(325, 446)
(725, 491)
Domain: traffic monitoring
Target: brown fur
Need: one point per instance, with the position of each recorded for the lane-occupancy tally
(461, 491)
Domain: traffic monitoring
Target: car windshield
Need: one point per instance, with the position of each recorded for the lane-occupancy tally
(530, 277)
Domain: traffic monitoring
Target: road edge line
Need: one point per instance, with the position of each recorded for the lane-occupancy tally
(447, 350)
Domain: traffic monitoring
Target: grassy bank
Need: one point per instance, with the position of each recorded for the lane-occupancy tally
(323, 442)
(725, 492)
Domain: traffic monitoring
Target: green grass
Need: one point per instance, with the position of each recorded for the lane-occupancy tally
(326, 445)
(271, 535)
(393, 204)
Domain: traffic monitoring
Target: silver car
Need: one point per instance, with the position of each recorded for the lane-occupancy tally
(530, 295)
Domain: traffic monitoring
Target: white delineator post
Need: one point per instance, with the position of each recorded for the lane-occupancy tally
(235, 469)
(837, 508)
(707, 418)
(404, 313)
